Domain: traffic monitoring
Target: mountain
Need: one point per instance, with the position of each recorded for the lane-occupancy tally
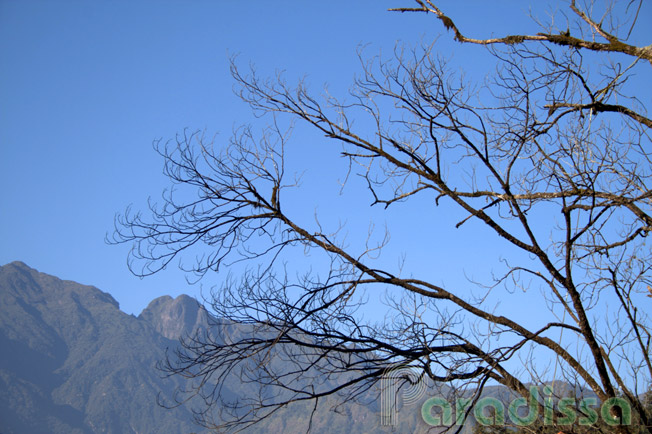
(72, 362)
(175, 318)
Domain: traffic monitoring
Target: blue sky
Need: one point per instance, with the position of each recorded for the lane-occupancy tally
(87, 86)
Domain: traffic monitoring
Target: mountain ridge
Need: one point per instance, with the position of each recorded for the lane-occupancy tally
(78, 364)
(73, 362)
(58, 335)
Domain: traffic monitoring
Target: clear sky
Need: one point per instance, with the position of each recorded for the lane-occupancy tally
(87, 86)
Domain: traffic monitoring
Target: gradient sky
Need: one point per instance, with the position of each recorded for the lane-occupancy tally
(87, 86)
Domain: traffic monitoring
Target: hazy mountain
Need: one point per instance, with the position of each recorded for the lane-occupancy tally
(72, 362)
(175, 318)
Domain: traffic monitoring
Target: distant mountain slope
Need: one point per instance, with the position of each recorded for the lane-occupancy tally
(72, 362)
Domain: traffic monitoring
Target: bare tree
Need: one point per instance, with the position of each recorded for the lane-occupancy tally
(552, 155)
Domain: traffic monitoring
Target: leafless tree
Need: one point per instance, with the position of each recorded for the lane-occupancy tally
(552, 155)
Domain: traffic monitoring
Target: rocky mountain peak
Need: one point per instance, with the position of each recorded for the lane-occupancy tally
(175, 317)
